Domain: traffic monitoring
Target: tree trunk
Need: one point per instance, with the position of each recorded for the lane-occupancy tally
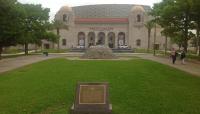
(1, 50)
(26, 48)
(149, 35)
(154, 41)
(198, 42)
(58, 33)
(179, 47)
(165, 45)
(53, 45)
(185, 45)
(196, 45)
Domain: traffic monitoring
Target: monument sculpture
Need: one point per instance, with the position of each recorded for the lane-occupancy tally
(98, 52)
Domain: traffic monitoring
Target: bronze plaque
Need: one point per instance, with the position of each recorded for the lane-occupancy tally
(92, 94)
(91, 98)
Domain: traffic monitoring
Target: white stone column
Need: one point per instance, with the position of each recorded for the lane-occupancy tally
(106, 39)
(116, 39)
(126, 38)
(86, 40)
(76, 39)
(96, 38)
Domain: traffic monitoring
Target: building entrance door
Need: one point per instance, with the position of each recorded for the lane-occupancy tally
(91, 39)
(111, 40)
(101, 38)
(121, 39)
(81, 39)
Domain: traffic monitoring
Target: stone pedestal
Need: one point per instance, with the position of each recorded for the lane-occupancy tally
(99, 52)
(91, 98)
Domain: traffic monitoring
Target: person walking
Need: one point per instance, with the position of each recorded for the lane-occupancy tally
(182, 57)
(173, 55)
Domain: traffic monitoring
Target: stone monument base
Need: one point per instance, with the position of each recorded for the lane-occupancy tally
(91, 98)
(99, 52)
(89, 111)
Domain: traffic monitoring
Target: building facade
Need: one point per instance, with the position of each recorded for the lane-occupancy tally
(112, 25)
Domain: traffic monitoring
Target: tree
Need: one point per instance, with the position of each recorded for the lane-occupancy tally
(196, 19)
(57, 24)
(177, 16)
(10, 28)
(177, 39)
(149, 25)
(50, 36)
(185, 19)
(166, 34)
(155, 13)
(34, 24)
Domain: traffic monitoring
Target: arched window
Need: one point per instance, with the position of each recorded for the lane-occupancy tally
(91, 39)
(101, 38)
(138, 18)
(81, 39)
(111, 39)
(138, 42)
(64, 42)
(121, 39)
(64, 17)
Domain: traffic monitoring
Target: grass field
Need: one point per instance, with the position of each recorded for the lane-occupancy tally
(136, 87)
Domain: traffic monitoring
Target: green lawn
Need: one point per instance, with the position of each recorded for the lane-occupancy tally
(136, 87)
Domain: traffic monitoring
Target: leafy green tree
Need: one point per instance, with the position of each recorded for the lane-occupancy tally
(177, 39)
(176, 15)
(196, 19)
(50, 36)
(10, 26)
(34, 25)
(166, 33)
(184, 15)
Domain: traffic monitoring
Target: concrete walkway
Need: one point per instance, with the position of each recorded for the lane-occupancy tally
(13, 63)
(190, 67)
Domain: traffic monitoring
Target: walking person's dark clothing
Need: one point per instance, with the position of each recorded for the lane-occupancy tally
(173, 55)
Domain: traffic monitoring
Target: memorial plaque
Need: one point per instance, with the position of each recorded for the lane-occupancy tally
(91, 98)
(92, 94)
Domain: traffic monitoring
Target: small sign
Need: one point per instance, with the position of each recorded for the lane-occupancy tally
(101, 28)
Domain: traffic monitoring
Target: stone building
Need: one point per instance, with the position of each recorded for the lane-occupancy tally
(113, 25)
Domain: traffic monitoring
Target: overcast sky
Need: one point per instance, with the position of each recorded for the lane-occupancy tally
(55, 5)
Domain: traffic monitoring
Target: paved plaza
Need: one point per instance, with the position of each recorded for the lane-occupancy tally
(13, 63)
